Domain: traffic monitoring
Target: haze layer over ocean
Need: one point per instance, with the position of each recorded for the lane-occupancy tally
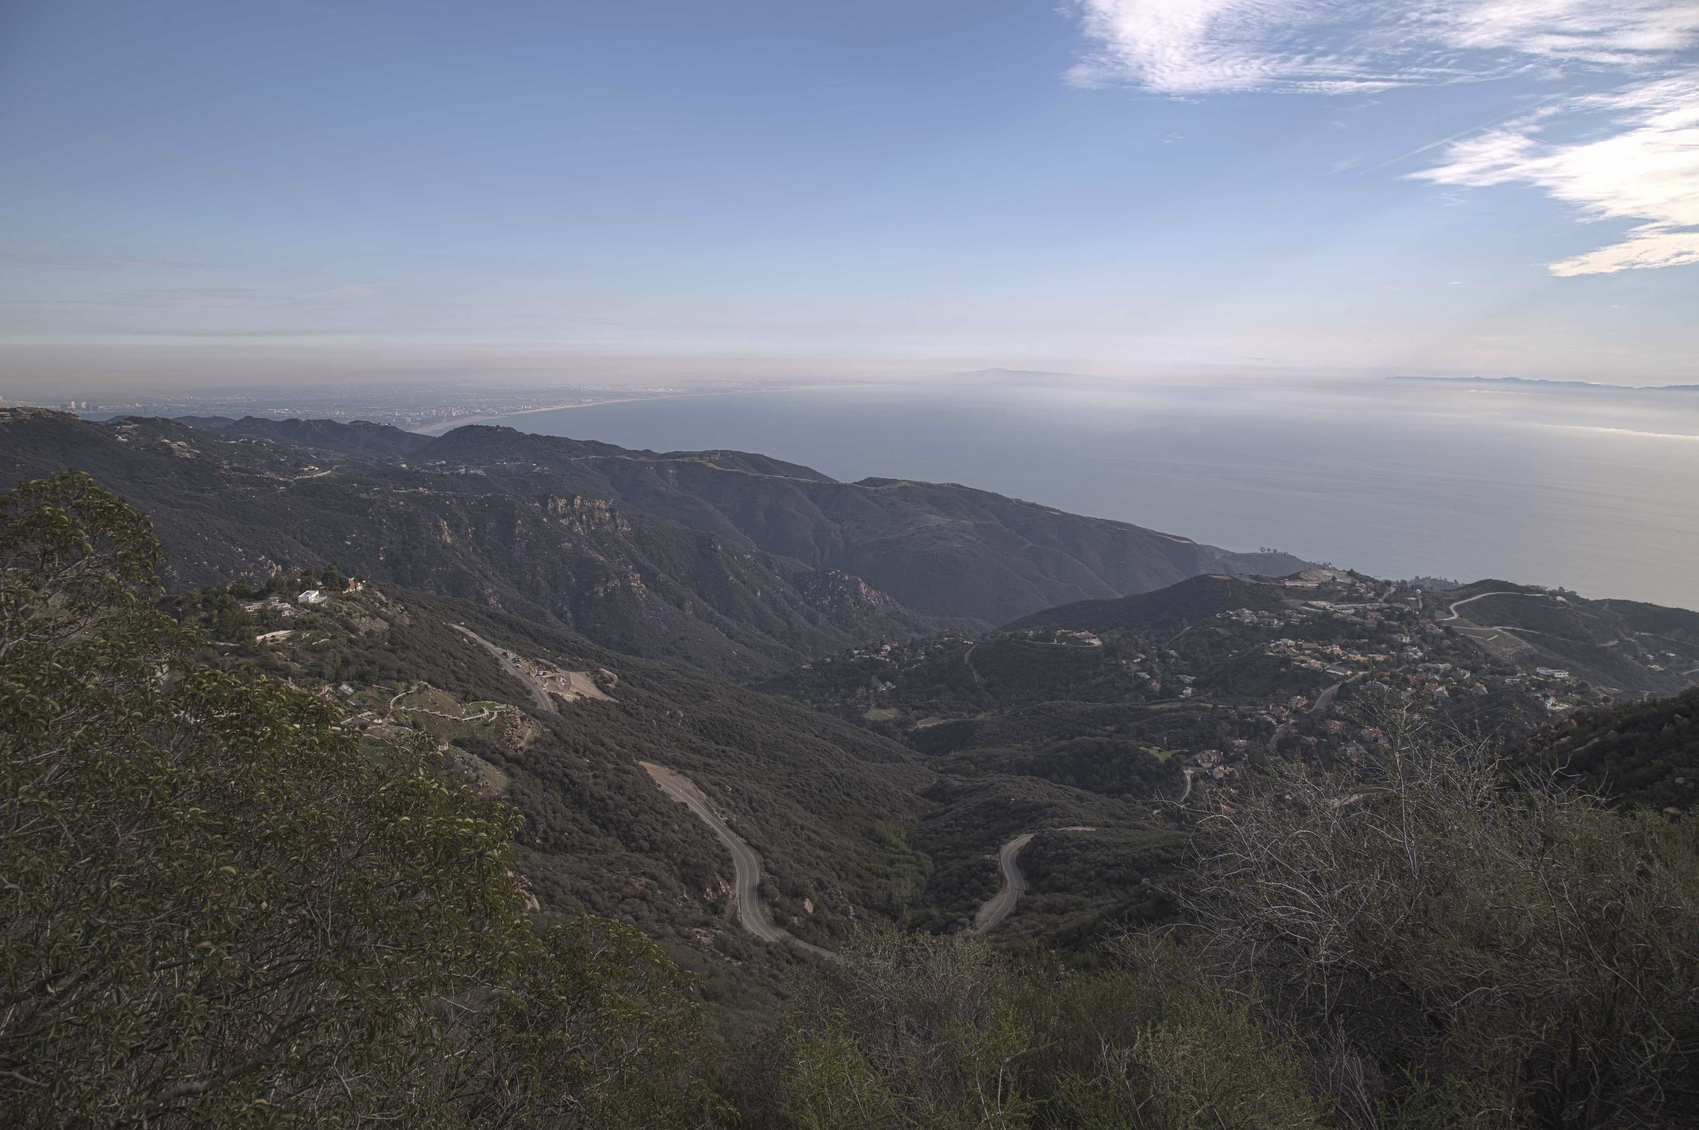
(1594, 492)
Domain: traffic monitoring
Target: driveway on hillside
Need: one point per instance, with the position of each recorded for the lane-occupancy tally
(539, 697)
(1491, 636)
(1453, 614)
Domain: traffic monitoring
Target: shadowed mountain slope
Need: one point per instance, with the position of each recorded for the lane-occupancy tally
(941, 549)
(1654, 620)
(228, 507)
(1175, 606)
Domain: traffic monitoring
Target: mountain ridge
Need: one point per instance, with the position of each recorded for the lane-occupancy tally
(229, 507)
(942, 549)
(360, 437)
(731, 561)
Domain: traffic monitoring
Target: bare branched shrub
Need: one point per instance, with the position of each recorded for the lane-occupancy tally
(1509, 942)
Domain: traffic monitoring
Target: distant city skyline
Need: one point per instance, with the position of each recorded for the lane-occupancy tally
(209, 194)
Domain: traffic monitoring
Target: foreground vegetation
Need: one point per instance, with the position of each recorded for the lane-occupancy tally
(219, 910)
(220, 906)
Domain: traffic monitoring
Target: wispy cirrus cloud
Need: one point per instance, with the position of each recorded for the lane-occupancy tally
(1345, 46)
(1215, 46)
(1609, 32)
(1639, 161)
(1647, 168)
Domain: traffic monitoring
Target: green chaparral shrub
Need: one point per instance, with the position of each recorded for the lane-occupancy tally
(831, 1086)
(911, 1031)
(1201, 1064)
(945, 1032)
(217, 909)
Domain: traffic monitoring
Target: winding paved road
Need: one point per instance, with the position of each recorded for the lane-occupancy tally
(746, 864)
(1014, 886)
(539, 697)
(1453, 614)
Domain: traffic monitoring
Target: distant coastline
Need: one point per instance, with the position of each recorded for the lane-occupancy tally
(1537, 385)
(449, 425)
(441, 427)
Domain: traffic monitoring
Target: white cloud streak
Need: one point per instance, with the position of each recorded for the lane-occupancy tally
(1644, 167)
(1339, 46)
(1209, 46)
(1611, 32)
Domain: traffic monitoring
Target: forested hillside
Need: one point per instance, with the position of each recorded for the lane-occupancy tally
(821, 801)
(355, 438)
(850, 823)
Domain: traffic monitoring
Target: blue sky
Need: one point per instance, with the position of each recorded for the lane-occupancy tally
(1113, 186)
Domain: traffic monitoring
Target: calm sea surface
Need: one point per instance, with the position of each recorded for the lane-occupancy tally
(1595, 493)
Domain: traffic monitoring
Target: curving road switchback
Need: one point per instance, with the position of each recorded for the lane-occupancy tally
(1014, 886)
(746, 864)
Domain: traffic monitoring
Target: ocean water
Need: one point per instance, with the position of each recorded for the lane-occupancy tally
(1597, 493)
